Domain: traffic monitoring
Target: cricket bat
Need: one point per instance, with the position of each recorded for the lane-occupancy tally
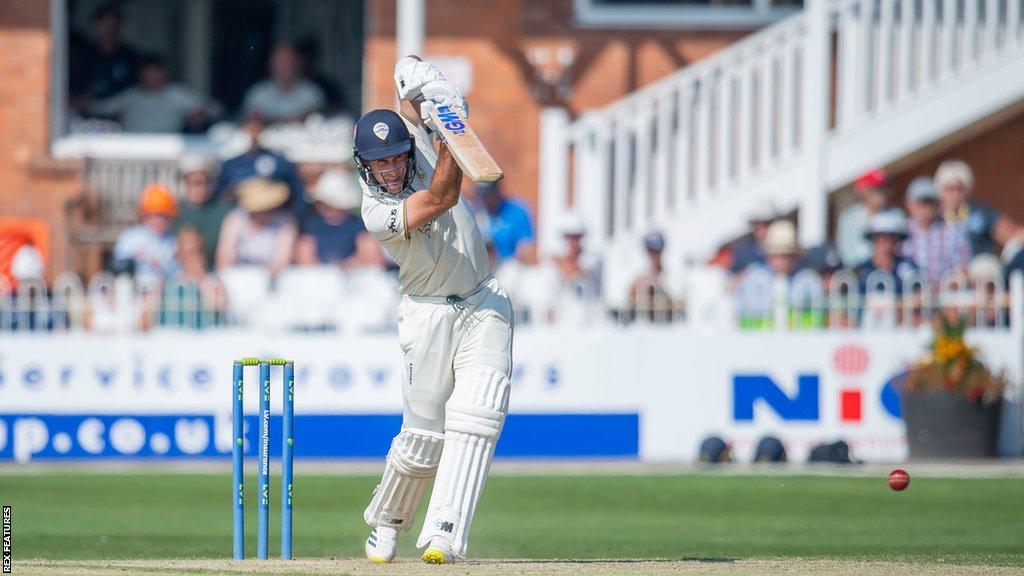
(467, 149)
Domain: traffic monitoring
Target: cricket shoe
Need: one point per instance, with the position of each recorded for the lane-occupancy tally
(380, 545)
(438, 552)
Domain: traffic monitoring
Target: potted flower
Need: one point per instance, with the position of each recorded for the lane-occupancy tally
(951, 400)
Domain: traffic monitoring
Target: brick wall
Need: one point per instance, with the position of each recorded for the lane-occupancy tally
(997, 158)
(31, 184)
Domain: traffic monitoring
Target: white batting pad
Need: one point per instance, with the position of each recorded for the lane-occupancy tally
(474, 416)
(411, 463)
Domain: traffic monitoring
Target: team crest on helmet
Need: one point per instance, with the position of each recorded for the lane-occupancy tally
(381, 130)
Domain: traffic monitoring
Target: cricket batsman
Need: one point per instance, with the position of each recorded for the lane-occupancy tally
(454, 324)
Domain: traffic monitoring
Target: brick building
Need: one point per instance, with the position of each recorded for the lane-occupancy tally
(515, 57)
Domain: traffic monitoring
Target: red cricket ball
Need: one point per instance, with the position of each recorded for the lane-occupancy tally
(899, 480)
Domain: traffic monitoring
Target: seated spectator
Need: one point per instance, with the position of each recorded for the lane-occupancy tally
(579, 272)
(259, 232)
(148, 249)
(822, 259)
(782, 250)
(985, 227)
(872, 190)
(648, 295)
(755, 290)
(199, 210)
(934, 246)
(507, 221)
(885, 232)
(27, 264)
(308, 50)
(750, 249)
(328, 232)
(104, 65)
(194, 298)
(154, 104)
(260, 163)
(286, 96)
(553, 289)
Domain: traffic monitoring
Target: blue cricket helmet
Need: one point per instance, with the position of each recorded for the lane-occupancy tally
(382, 134)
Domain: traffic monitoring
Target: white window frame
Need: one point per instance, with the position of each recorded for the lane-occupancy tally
(589, 14)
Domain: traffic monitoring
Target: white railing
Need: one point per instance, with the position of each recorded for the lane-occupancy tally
(781, 114)
(116, 186)
(319, 299)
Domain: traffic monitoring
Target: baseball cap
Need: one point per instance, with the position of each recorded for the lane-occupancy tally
(873, 179)
(157, 199)
(922, 188)
(888, 222)
(380, 134)
(654, 241)
(572, 224)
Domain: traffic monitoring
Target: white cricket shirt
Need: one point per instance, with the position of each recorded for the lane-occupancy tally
(443, 257)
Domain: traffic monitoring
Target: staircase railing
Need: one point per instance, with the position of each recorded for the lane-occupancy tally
(754, 119)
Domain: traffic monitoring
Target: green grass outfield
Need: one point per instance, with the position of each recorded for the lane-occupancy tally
(60, 515)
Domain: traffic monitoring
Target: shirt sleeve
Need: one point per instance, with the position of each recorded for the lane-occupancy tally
(386, 221)
(114, 105)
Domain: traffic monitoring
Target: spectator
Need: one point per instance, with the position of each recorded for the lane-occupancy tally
(104, 66)
(756, 294)
(328, 232)
(507, 221)
(872, 190)
(648, 295)
(199, 210)
(782, 250)
(984, 226)
(259, 232)
(286, 96)
(196, 300)
(934, 246)
(155, 105)
(750, 249)
(260, 163)
(308, 50)
(578, 271)
(148, 249)
(555, 289)
(822, 259)
(27, 264)
(886, 230)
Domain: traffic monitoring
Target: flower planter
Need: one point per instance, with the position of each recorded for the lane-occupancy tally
(944, 424)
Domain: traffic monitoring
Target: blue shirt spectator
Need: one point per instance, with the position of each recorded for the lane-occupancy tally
(329, 230)
(148, 249)
(749, 250)
(103, 65)
(258, 162)
(886, 231)
(507, 221)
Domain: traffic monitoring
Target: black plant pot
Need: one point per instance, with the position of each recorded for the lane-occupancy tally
(943, 424)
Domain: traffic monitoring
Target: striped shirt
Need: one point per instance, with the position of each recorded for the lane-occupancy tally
(938, 249)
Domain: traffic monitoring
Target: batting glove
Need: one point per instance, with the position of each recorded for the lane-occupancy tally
(412, 74)
(442, 93)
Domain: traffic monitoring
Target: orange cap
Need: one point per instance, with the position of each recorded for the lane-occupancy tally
(157, 199)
